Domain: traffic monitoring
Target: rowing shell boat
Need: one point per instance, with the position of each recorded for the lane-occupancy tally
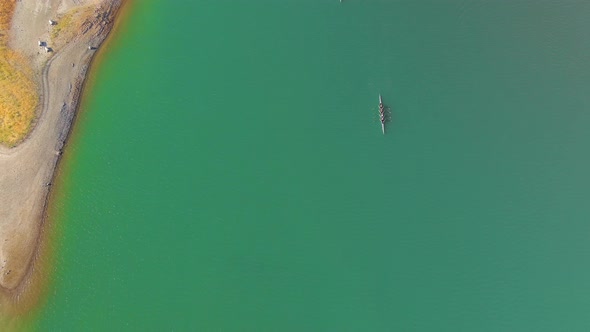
(382, 114)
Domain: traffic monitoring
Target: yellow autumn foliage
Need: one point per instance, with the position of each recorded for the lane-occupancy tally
(18, 91)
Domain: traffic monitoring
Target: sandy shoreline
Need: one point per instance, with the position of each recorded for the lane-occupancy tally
(27, 170)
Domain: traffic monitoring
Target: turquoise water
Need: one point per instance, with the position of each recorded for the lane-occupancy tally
(228, 171)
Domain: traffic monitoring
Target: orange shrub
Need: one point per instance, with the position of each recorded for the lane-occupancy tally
(18, 92)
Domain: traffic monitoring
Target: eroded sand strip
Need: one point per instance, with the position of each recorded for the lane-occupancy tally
(27, 170)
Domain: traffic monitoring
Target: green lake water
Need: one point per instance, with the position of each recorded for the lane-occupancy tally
(228, 170)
